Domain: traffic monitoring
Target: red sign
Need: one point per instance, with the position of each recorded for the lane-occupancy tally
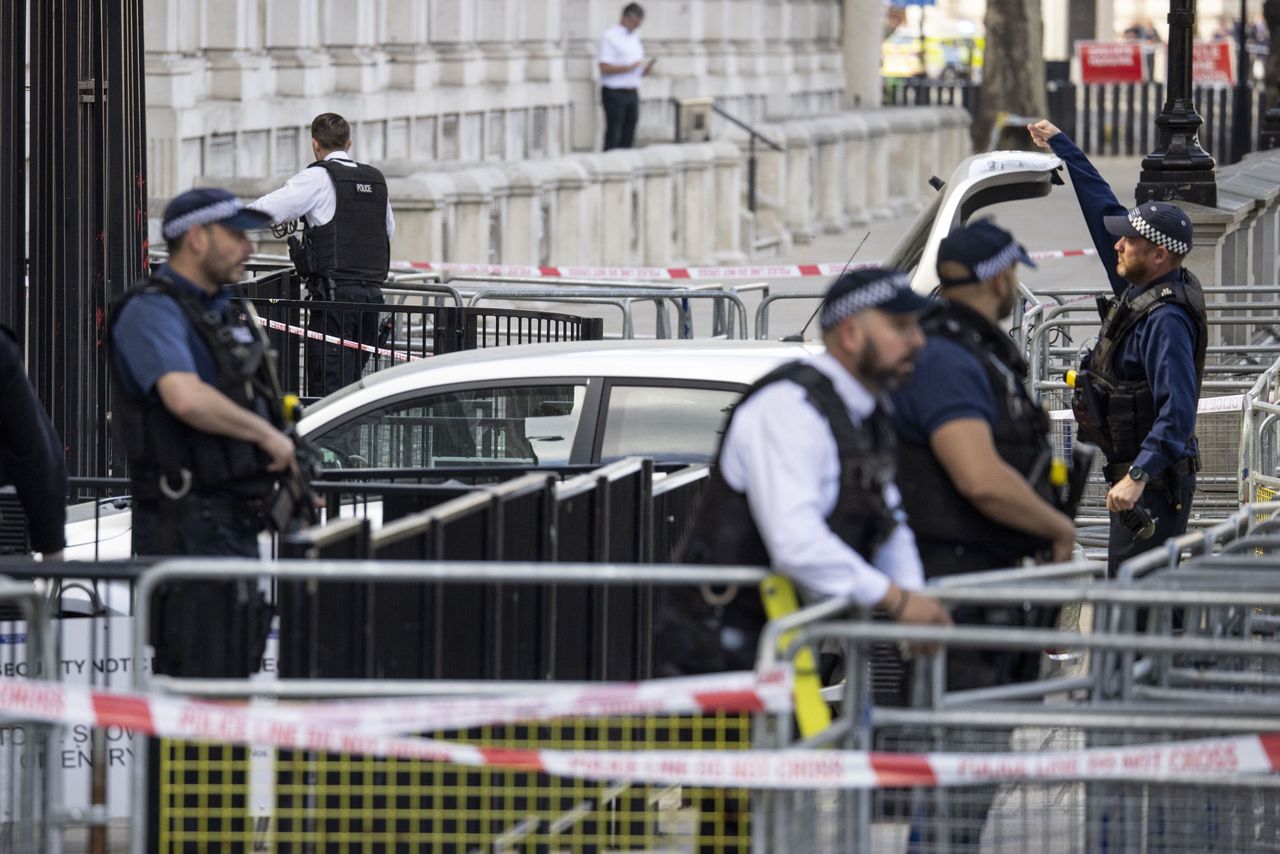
(1212, 64)
(1119, 62)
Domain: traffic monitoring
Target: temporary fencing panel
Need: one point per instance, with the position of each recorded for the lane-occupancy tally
(291, 800)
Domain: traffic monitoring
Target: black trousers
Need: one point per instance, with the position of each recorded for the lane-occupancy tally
(204, 629)
(1168, 499)
(621, 112)
(334, 366)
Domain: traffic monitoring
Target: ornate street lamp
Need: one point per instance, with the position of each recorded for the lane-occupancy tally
(1179, 169)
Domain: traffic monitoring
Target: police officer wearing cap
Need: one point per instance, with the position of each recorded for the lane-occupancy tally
(190, 406)
(804, 482)
(1137, 393)
(194, 408)
(974, 464)
(345, 250)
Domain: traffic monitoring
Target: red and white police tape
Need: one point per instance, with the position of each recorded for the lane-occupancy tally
(745, 271)
(300, 728)
(302, 332)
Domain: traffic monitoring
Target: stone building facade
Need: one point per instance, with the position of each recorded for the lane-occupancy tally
(232, 84)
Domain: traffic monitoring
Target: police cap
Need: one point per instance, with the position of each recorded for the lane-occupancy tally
(871, 287)
(984, 249)
(207, 205)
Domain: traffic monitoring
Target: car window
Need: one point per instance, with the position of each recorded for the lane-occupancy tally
(666, 423)
(509, 424)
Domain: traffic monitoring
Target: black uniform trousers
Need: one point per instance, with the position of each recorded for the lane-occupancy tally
(204, 628)
(334, 366)
(621, 113)
(1168, 499)
(958, 827)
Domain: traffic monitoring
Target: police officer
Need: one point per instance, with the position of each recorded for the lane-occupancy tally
(345, 251)
(974, 463)
(194, 408)
(804, 482)
(1136, 396)
(31, 454)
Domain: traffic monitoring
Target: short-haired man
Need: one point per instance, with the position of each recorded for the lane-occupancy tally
(1137, 395)
(194, 406)
(804, 481)
(622, 66)
(345, 251)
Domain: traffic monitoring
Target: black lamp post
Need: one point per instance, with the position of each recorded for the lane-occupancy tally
(1179, 169)
(1242, 107)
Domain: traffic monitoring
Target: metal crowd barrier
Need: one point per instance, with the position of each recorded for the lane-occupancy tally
(211, 794)
(31, 806)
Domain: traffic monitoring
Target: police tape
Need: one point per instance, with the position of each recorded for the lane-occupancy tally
(303, 332)
(650, 274)
(1223, 403)
(298, 728)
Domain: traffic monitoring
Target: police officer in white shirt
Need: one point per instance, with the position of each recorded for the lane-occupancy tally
(345, 251)
(622, 67)
(804, 482)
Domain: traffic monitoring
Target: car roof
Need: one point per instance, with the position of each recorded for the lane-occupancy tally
(695, 360)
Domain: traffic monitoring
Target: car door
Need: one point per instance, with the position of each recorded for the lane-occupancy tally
(678, 421)
(508, 422)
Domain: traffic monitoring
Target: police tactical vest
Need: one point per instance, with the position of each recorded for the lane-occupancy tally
(352, 248)
(168, 459)
(935, 508)
(1126, 408)
(725, 532)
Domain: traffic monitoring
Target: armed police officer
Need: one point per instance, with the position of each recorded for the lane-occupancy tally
(195, 407)
(345, 250)
(974, 464)
(804, 482)
(1137, 392)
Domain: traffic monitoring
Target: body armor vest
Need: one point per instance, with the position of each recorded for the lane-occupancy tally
(352, 248)
(1117, 414)
(935, 508)
(167, 458)
(701, 631)
(725, 533)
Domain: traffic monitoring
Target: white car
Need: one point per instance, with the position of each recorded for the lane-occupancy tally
(544, 404)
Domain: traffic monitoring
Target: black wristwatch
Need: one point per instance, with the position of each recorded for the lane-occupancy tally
(1138, 474)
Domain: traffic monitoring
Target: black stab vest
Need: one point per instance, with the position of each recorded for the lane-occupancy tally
(936, 511)
(1126, 409)
(352, 248)
(725, 532)
(167, 458)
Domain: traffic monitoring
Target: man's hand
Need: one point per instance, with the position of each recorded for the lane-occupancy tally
(1125, 494)
(280, 449)
(916, 609)
(1043, 131)
(1062, 546)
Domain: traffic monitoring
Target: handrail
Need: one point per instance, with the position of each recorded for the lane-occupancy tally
(732, 119)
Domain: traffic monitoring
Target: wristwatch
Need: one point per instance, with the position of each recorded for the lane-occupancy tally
(1138, 474)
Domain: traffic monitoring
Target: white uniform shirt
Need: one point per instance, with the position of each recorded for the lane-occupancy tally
(310, 193)
(781, 452)
(620, 46)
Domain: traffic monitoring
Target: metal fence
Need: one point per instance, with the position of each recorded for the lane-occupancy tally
(1115, 119)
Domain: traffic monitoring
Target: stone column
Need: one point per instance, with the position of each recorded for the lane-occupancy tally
(658, 172)
(412, 62)
(472, 199)
(452, 30)
(878, 142)
(521, 229)
(233, 46)
(570, 214)
(860, 37)
(353, 35)
(728, 203)
(857, 177)
(584, 22)
(294, 42)
(799, 198)
(698, 201)
(618, 174)
(830, 180)
(421, 205)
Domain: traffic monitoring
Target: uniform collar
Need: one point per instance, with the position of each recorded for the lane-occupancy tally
(338, 155)
(174, 279)
(856, 397)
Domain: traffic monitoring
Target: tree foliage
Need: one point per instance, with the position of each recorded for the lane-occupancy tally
(1013, 68)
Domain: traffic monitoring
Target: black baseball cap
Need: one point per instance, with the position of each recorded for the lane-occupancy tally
(207, 205)
(983, 248)
(1163, 224)
(872, 287)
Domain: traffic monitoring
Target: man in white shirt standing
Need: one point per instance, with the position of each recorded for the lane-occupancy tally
(345, 251)
(622, 67)
(804, 482)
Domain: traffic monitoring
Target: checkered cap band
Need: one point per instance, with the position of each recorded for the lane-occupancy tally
(868, 296)
(1159, 238)
(998, 263)
(215, 212)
